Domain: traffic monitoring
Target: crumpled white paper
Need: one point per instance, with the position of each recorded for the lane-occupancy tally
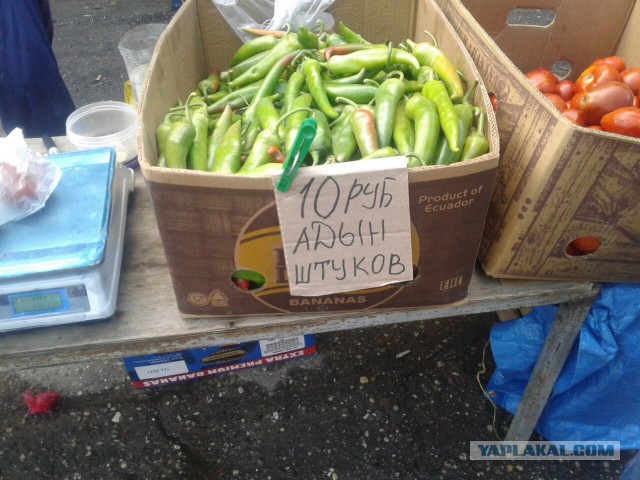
(26, 179)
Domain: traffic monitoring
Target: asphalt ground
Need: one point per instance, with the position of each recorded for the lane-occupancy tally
(396, 402)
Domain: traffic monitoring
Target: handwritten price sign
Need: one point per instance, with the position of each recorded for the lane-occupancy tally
(346, 226)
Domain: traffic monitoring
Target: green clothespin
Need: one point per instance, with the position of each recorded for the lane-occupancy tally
(299, 149)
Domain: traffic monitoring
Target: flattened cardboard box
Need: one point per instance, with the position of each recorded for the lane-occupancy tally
(157, 370)
(556, 182)
(212, 225)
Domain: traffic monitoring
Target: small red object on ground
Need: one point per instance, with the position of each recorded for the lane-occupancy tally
(41, 403)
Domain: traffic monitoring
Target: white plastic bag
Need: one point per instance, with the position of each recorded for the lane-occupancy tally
(26, 179)
(273, 14)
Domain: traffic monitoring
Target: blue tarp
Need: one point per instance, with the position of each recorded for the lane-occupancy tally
(33, 95)
(597, 396)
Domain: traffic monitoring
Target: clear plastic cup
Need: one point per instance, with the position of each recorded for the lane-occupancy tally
(136, 48)
(105, 124)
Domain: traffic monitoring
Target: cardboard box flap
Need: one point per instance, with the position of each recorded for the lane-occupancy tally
(628, 47)
(570, 36)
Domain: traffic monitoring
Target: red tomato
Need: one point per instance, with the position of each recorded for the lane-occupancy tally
(566, 89)
(575, 116)
(631, 76)
(583, 246)
(557, 101)
(542, 79)
(596, 74)
(624, 121)
(636, 101)
(601, 99)
(494, 101)
(617, 62)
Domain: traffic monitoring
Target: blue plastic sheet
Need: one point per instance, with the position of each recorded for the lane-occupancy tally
(597, 395)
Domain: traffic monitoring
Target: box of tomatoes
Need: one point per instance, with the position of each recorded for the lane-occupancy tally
(564, 79)
(220, 227)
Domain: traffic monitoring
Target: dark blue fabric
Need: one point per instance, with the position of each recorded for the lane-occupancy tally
(597, 396)
(33, 95)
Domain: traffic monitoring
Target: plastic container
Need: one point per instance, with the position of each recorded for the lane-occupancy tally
(105, 124)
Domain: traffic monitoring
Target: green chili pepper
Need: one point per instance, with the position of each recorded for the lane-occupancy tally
(267, 113)
(284, 47)
(253, 47)
(311, 71)
(349, 35)
(221, 127)
(250, 121)
(476, 144)
(210, 84)
(404, 136)
(292, 125)
(355, 92)
(163, 130)
(424, 114)
(387, 97)
(294, 87)
(307, 39)
(363, 124)
(259, 154)
(436, 91)
(227, 156)
(321, 144)
(345, 48)
(444, 154)
(371, 59)
(342, 137)
(243, 66)
(197, 156)
(179, 140)
(430, 55)
(335, 39)
(412, 86)
(348, 80)
(383, 152)
(214, 97)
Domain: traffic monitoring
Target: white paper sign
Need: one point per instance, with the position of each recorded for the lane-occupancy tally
(346, 226)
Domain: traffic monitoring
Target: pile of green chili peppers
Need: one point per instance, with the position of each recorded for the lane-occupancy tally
(368, 101)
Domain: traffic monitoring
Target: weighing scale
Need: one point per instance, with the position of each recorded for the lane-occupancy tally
(61, 264)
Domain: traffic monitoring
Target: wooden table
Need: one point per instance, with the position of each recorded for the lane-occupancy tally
(147, 319)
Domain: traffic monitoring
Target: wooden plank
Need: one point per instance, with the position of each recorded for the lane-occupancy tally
(562, 335)
(147, 319)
